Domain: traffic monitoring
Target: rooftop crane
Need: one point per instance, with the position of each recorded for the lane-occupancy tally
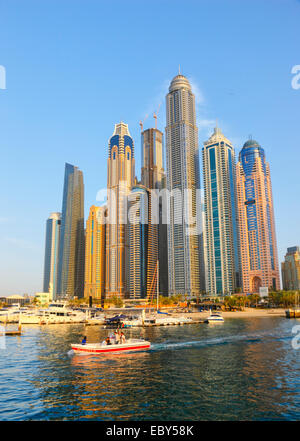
(142, 123)
(155, 115)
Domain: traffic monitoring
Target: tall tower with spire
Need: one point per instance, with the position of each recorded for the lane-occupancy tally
(183, 179)
(222, 247)
(120, 179)
(256, 220)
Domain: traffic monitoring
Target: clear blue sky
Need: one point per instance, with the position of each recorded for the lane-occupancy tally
(76, 67)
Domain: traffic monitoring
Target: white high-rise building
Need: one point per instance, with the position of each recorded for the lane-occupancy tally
(183, 179)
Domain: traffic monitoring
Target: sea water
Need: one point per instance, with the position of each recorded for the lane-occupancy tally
(243, 369)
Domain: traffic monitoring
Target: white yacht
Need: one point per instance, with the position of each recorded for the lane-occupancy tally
(183, 320)
(96, 320)
(166, 320)
(214, 317)
(10, 314)
(155, 319)
(57, 312)
(33, 317)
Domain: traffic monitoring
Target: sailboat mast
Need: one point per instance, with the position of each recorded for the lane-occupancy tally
(157, 286)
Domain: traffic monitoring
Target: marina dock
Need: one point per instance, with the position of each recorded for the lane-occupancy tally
(193, 322)
(149, 325)
(12, 333)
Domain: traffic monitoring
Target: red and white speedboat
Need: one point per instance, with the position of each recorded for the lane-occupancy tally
(131, 344)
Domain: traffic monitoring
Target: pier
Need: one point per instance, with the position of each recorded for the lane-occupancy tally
(12, 331)
(193, 322)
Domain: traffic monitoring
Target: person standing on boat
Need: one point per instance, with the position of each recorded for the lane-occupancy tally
(83, 342)
(112, 338)
(122, 338)
(108, 342)
(117, 337)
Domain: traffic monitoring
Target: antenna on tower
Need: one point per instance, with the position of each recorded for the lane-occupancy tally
(179, 69)
(155, 115)
(142, 123)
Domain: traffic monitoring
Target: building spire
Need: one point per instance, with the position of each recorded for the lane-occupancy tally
(179, 70)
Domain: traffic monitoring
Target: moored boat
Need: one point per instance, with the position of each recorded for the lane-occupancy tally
(97, 320)
(295, 311)
(131, 344)
(214, 318)
(292, 313)
(10, 314)
(56, 313)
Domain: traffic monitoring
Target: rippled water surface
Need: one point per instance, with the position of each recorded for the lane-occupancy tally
(244, 369)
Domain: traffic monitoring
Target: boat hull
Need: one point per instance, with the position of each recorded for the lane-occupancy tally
(139, 345)
(292, 313)
(214, 321)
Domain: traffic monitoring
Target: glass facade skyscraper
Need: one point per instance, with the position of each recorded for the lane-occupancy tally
(120, 179)
(183, 179)
(94, 280)
(153, 178)
(220, 206)
(51, 254)
(137, 231)
(71, 250)
(259, 262)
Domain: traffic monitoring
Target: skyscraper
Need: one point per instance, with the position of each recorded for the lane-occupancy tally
(120, 179)
(220, 205)
(183, 182)
(71, 250)
(152, 159)
(138, 241)
(94, 279)
(153, 178)
(51, 254)
(259, 263)
(291, 269)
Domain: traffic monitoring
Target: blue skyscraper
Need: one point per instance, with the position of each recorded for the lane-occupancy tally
(51, 254)
(256, 220)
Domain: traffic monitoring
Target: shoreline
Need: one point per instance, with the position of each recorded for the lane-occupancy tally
(247, 313)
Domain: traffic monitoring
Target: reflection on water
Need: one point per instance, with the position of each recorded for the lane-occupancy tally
(242, 370)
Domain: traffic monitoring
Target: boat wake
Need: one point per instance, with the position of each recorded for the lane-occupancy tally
(230, 339)
(224, 340)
